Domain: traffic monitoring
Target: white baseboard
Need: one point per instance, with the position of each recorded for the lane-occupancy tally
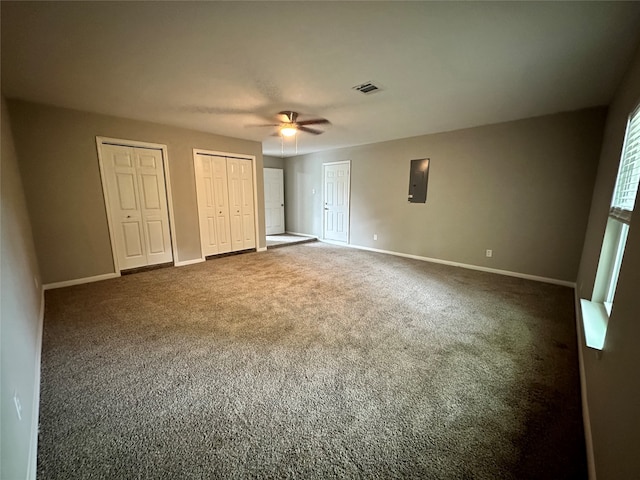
(189, 262)
(586, 418)
(80, 281)
(35, 401)
(458, 264)
(261, 249)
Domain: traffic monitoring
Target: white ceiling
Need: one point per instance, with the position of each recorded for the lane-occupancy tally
(219, 66)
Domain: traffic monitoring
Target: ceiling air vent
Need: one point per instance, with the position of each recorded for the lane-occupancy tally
(367, 88)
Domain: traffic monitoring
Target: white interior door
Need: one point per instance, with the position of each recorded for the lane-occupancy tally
(221, 198)
(226, 202)
(274, 200)
(336, 201)
(206, 205)
(124, 206)
(248, 215)
(153, 205)
(137, 202)
(235, 203)
(213, 204)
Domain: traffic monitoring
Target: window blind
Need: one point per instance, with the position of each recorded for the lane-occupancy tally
(624, 194)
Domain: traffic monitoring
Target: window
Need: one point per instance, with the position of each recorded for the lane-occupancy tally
(620, 231)
(624, 199)
(596, 313)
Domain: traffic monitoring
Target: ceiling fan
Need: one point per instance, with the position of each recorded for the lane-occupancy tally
(289, 125)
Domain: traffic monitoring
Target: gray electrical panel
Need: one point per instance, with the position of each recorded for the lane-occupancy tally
(418, 179)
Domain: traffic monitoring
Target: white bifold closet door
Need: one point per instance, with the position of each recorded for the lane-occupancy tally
(240, 175)
(137, 205)
(225, 203)
(213, 204)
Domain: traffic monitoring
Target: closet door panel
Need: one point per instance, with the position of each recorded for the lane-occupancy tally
(225, 203)
(124, 205)
(221, 202)
(205, 191)
(235, 203)
(132, 242)
(153, 205)
(248, 214)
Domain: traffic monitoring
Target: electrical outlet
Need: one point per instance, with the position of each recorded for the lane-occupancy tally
(36, 282)
(375, 236)
(313, 191)
(16, 401)
(489, 253)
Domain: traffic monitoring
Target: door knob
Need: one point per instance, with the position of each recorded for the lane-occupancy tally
(128, 216)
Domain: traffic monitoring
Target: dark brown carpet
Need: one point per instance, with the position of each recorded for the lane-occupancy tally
(311, 361)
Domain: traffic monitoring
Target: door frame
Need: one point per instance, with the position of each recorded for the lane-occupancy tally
(167, 182)
(284, 229)
(242, 156)
(324, 165)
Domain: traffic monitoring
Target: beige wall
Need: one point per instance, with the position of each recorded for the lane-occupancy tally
(612, 378)
(273, 162)
(20, 320)
(520, 188)
(59, 166)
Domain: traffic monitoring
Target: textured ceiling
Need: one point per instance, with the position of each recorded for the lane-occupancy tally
(219, 66)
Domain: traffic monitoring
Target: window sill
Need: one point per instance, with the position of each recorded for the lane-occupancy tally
(595, 319)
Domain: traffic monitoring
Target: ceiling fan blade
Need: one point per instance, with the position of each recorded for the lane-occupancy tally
(317, 121)
(263, 125)
(313, 131)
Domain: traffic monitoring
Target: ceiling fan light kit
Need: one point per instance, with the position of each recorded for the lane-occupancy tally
(289, 126)
(288, 130)
(291, 133)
